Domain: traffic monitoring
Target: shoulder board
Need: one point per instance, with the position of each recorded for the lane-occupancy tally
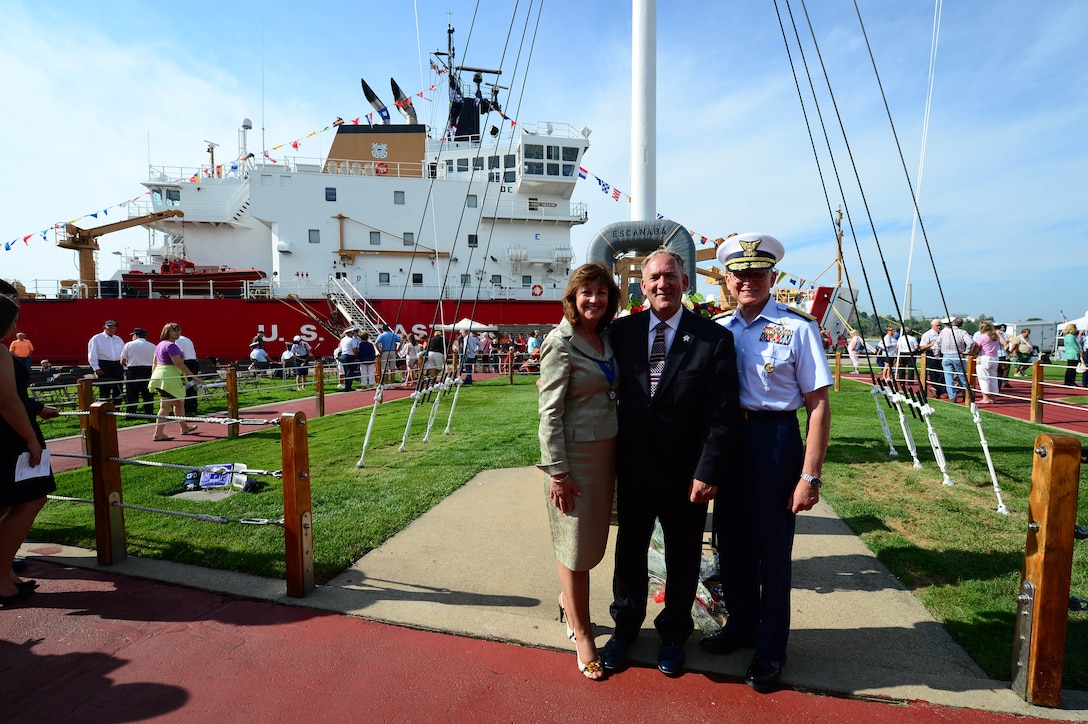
(722, 315)
(801, 313)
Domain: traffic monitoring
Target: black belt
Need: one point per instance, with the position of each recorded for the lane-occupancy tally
(768, 414)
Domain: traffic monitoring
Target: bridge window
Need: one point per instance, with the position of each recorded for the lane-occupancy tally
(409, 238)
(478, 163)
(510, 163)
(330, 193)
(173, 197)
(462, 164)
(375, 238)
(315, 236)
(492, 162)
(534, 150)
(383, 279)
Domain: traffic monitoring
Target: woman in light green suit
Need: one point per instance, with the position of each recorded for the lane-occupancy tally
(577, 444)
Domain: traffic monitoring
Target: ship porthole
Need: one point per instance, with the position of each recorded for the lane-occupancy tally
(358, 278)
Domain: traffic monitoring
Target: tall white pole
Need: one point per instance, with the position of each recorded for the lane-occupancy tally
(643, 110)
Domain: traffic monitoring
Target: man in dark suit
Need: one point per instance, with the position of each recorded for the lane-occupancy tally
(674, 421)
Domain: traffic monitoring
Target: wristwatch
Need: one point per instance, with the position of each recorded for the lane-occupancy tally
(812, 480)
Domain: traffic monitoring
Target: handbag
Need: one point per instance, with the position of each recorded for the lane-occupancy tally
(1081, 367)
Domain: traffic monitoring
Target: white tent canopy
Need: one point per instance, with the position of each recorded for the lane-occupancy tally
(466, 323)
(1082, 323)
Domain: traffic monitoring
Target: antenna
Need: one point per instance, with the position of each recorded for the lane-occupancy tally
(211, 151)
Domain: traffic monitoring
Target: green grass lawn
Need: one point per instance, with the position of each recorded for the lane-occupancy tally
(946, 544)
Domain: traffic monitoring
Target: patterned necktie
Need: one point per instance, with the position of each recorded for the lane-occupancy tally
(657, 356)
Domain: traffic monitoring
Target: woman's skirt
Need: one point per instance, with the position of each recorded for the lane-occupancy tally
(168, 381)
(580, 536)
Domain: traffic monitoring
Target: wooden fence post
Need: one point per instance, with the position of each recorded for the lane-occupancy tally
(1043, 604)
(298, 531)
(232, 402)
(109, 521)
(838, 370)
(84, 398)
(319, 387)
(1037, 372)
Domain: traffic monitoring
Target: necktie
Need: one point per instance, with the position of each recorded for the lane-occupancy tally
(657, 356)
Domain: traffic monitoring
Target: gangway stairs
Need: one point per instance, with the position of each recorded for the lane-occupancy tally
(355, 308)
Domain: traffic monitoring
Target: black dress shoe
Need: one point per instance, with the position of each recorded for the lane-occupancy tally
(764, 675)
(725, 643)
(18, 564)
(614, 654)
(670, 659)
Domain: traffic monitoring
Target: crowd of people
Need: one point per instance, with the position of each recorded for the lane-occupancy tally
(946, 346)
(131, 373)
(672, 410)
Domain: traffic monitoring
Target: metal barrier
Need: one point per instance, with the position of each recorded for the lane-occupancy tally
(1043, 603)
(110, 536)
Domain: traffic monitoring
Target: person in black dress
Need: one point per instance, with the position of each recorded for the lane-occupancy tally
(19, 434)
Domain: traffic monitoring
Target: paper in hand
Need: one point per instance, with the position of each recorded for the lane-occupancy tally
(24, 470)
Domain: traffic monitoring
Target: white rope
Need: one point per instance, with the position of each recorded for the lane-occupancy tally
(370, 425)
(935, 443)
(876, 392)
(938, 5)
(181, 514)
(989, 462)
(216, 469)
(897, 399)
(456, 393)
(441, 387)
(416, 397)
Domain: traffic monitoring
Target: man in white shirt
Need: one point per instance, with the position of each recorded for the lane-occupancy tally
(138, 357)
(188, 352)
(929, 344)
(104, 355)
(906, 350)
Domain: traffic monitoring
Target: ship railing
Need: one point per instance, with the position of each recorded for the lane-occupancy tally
(354, 167)
(196, 174)
(206, 289)
(544, 210)
(555, 129)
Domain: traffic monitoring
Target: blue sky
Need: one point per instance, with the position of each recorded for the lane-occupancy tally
(92, 91)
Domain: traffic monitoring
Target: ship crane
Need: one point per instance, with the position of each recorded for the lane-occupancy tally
(85, 242)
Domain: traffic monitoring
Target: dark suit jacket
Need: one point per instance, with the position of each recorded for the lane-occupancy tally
(682, 432)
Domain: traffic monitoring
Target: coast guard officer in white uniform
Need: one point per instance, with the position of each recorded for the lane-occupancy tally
(782, 367)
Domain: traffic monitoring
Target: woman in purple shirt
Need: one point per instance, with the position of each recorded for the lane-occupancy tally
(168, 373)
